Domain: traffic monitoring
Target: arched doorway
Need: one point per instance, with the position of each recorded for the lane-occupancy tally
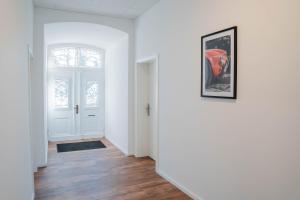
(111, 120)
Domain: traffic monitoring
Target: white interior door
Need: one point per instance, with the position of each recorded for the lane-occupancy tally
(60, 104)
(146, 111)
(92, 112)
(76, 104)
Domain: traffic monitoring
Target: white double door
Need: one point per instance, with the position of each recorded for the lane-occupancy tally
(75, 104)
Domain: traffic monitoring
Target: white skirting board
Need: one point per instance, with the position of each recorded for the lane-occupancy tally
(66, 138)
(178, 185)
(117, 145)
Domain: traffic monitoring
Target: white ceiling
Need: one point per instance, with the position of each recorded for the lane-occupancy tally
(117, 8)
(82, 33)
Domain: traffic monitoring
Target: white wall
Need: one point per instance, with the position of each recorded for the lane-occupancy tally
(242, 149)
(16, 19)
(117, 95)
(82, 33)
(46, 16)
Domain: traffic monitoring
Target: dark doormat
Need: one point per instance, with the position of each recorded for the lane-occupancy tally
(79, 146)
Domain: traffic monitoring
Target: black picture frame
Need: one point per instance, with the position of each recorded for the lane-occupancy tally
(219, 80)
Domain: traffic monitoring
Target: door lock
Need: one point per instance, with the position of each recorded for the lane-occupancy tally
(76, 109)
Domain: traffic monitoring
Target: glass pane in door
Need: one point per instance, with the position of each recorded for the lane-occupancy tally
(61, 93)
(92, 93)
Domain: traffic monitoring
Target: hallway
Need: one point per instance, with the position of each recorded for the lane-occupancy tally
(102, 174)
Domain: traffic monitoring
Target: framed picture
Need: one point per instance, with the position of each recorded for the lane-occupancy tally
(219, 64)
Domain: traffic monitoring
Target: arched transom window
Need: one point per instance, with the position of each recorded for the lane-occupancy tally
(77, 56)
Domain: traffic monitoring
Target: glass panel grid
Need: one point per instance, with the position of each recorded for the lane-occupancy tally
(76, 57)
(62, 57)
(89, 58)
(92, 93)
(61, 94)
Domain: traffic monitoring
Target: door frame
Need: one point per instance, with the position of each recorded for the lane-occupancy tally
(138, 111)
(29, 77)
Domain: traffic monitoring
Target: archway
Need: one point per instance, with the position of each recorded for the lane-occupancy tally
(115, 43)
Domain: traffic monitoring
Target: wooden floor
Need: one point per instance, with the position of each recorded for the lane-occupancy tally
(102, 174)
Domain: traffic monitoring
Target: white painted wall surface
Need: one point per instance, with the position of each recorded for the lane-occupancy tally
(216, 149)
(16, 178)
(46, 16)
(117, 94)
(82, 33)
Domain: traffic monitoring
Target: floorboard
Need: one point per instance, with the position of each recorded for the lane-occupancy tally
(101, 174)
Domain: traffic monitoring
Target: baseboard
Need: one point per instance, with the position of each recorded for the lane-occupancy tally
(117, 145)
(178, 185)
(33, 196)
(59, 139)
(40, 165)
(35, 169)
